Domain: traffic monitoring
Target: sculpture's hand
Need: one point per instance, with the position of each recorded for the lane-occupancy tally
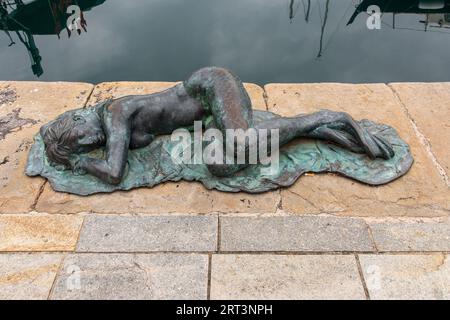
(77, 164)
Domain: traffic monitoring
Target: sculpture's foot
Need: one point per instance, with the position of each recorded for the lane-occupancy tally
(341, 128)
(374, 145)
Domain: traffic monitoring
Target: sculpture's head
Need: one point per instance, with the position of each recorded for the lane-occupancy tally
(73, 132)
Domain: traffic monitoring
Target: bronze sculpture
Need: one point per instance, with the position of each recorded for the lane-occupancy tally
(134, 123)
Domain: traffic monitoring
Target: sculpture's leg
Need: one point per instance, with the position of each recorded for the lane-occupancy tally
(224, 95)
(327, 125)
(342, 129)
(339, 137)
(337, 127)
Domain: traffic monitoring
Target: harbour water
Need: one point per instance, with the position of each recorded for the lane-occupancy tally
(260, 40)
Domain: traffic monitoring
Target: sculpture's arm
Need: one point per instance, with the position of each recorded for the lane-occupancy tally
(117, 130)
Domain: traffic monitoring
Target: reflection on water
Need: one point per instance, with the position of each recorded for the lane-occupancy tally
(39, 17)
(262, 40)
(436, 12)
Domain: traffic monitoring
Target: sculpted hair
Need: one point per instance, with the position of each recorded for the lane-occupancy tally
(56, 136)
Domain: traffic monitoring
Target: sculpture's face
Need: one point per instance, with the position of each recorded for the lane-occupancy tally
(74, 132)
(87, 134)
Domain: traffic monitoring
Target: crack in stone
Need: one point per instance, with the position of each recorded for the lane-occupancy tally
(12, 121)
(431, 206)
(266, 99)
(320, 210)
(387, 202)
(396, 202)
(146, 275)
(40, 191)
(372, 238)
(103, 94)
(280, 202)
(303, 198)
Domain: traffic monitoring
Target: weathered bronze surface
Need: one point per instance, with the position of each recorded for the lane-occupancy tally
(122, 144)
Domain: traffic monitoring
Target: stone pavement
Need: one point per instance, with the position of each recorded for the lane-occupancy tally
(325, 237)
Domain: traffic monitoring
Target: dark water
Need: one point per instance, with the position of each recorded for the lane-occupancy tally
(261, 40)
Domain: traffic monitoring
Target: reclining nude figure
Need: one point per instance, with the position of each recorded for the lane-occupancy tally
(132, 122)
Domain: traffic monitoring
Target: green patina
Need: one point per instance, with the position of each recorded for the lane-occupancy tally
(152, 165)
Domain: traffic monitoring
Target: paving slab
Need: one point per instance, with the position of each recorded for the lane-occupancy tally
(428, 104)
(115, 233)
(181, 197)
(294, 234)
(421, 192)
(24, 108)
(413, 236)
(132, 276)
(408, 277)
(178, 198)
(285, 277)
(27, 276)
(26, 232)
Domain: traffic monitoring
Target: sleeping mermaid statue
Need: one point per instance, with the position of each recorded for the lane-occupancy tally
(123, 128)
